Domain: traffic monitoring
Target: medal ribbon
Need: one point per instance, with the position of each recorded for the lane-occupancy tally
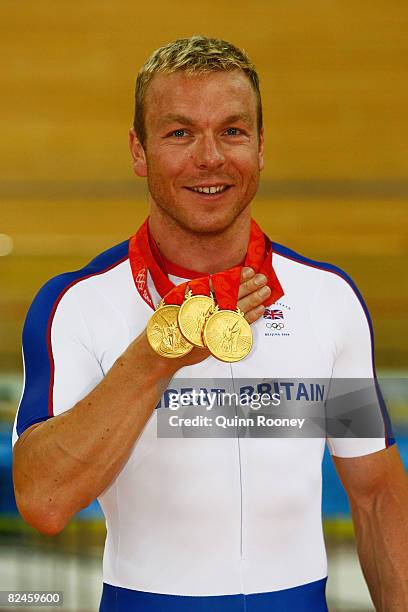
(200, 286)
(145, 256)
(259, 257)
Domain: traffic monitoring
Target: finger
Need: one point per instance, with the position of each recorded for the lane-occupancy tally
(254, 299)
(247, 273)
(254, 314)
(251, 285)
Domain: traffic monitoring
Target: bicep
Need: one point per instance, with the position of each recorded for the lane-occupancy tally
(22, 438)
(59, 366)
(366, 477)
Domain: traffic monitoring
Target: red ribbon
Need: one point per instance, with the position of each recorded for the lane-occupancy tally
(259, 258)
(145, 256)
(200, 286)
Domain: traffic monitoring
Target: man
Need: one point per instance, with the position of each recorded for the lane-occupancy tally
(200, 523)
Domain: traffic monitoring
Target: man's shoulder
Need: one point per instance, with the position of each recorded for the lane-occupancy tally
(295, 262)
(329, 282)
(54, 290)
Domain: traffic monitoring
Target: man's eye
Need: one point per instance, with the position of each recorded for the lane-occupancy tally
(233, 131)
(178, 133)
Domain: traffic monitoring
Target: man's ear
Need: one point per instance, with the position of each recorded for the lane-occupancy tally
(261, 149)
(138, 154)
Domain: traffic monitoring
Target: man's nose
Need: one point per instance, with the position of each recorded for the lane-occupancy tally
(208, 153)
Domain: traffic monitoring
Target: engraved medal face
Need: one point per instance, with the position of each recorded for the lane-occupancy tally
(164, 335)
(228, 335)
(192, 316)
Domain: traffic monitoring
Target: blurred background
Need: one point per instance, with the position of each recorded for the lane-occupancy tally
(335, 187)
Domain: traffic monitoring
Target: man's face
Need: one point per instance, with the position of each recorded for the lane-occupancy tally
(201, 135)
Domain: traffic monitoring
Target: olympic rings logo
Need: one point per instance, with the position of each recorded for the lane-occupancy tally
(275, 325)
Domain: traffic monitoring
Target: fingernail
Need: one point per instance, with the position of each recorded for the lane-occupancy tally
(247, 273)
(260, 279)
(264, 291)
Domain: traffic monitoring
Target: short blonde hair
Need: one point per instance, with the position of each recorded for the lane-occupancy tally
(194, 55)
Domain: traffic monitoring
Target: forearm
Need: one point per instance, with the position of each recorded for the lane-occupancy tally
(382, 541)
(66, 462)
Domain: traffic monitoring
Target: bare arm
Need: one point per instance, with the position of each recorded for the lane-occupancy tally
(62, 464)
(377, 487)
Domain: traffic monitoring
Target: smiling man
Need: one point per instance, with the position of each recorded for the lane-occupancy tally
(227, 524)
(202, 152)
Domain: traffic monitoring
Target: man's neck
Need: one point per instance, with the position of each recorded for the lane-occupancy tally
(207, 253)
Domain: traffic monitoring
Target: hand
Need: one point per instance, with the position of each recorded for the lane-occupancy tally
(253, 290)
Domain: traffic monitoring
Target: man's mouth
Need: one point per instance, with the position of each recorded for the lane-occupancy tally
(209, 189)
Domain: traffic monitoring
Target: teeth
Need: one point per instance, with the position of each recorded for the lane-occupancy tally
(209, 189)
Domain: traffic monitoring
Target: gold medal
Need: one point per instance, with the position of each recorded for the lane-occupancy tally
(228, 335)
(163, 332)
(192, 316)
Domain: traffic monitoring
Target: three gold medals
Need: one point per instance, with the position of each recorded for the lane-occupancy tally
(201, 317)
(173, 330)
